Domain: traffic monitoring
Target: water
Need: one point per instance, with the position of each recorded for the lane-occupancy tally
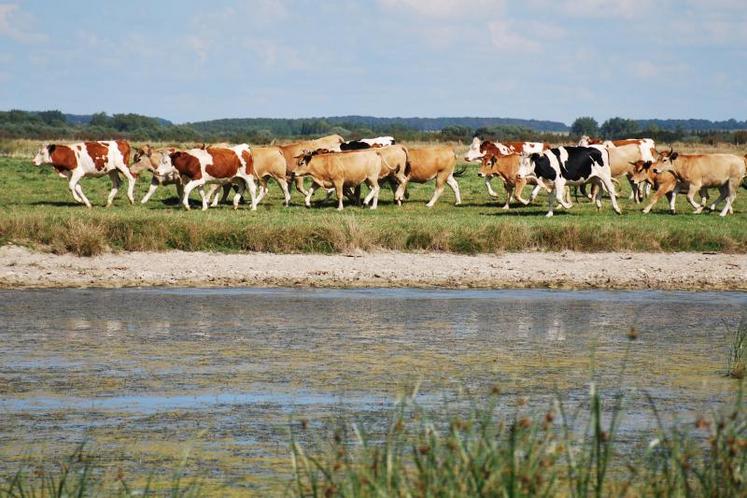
(224, 370)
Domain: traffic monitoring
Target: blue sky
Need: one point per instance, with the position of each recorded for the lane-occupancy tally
(191, 60)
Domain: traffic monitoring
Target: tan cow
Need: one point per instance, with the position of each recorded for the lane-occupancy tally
(341, 170)
(724, 171)
(622, 155)
(665, 183)
(427, 163)
(147, 159)
(293, 150)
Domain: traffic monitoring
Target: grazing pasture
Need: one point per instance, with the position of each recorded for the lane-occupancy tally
(36, 209)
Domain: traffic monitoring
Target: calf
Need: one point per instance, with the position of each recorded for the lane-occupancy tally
(665, 183)
(570, 166)
(724, 171)
(148, 158)
(341, 170)
(198, 167)
(293, 150)
(84, 159)
(507, 167)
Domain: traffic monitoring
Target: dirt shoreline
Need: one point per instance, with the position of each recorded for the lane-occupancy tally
(22, 268)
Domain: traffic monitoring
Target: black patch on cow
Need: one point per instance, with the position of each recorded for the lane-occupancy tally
(354, 145)
(51, 148)
(579, 163)
(542, 166)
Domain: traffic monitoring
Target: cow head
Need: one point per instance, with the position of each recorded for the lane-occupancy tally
(143, 160)
(302, 163)
(44, 155)
(474, 153)
(665, 161)
(166, 164)
(486, 166)
(643, 172)
(526, 164)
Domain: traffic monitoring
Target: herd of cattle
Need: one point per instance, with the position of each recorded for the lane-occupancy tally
(342, 167)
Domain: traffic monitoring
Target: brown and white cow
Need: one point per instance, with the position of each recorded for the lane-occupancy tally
(83, 159)
(341, 170)
(427, 163)
(269, 162)
(222, 165)
(478, 148)
(722, 171)
(664, 183)
(293, 150)
(147, 159)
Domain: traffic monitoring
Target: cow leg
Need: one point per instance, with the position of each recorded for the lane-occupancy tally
(535, 192)
(188, 188)
(309, 193)
(691, 191)
(635, 189)
(657, 195)
(299, 185)
(252, 186)
(551, 202)
(451, 181)
(491, 192)
(75, 188)
(239, 192)
(373, 184)
(116, 182)
(151, 190)
(284, 187)
(560, 192)
(370, 195)
(519, 189)
(400, 194)
(509, 194)
(596, 194)
(672, 196)
(179, 190)
(131, 180)
(731, 189)
(212, 193)
(440, 184)
(609, 186)
(339, 191)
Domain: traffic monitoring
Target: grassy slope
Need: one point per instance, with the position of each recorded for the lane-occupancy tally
(37, 209)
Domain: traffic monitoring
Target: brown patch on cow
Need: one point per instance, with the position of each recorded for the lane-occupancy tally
(99, 153)
(249, 160)
(225, 163)
(124, 148)
(186, 164)
(63, 158)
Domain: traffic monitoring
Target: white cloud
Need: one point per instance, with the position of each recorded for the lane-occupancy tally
(649, 70)
(627, 9)
(444, 8)
(505, 37)
(17, 25)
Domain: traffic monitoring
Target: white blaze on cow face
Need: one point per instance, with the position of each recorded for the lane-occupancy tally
(526, 167)
(165, 167)
(647, 147)
(473, 154)
(42, 156)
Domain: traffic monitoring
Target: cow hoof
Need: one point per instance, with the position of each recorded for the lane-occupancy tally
(458, 203)
(549, 215)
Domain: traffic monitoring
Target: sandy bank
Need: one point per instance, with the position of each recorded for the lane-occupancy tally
(24, 268)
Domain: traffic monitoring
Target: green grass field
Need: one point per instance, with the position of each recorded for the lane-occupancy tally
(37, 210)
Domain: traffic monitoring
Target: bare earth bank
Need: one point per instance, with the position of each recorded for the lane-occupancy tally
(24, 268)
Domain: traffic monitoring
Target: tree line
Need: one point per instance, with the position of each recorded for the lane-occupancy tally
(47, 125)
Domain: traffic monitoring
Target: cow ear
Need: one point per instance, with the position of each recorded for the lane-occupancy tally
(674, 156)
(51, 148)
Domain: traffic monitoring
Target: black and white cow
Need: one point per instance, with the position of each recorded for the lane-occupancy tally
(367, 143)
(570, 166)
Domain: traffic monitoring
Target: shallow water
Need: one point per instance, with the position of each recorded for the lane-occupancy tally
(146, 372)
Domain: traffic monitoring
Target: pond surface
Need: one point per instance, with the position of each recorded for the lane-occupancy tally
(143, 374)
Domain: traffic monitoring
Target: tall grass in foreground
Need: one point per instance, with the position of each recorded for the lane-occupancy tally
(736, 363)
(540, 454)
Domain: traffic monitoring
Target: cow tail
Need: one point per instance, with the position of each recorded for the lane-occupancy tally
(381, 156)
(744, 179)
